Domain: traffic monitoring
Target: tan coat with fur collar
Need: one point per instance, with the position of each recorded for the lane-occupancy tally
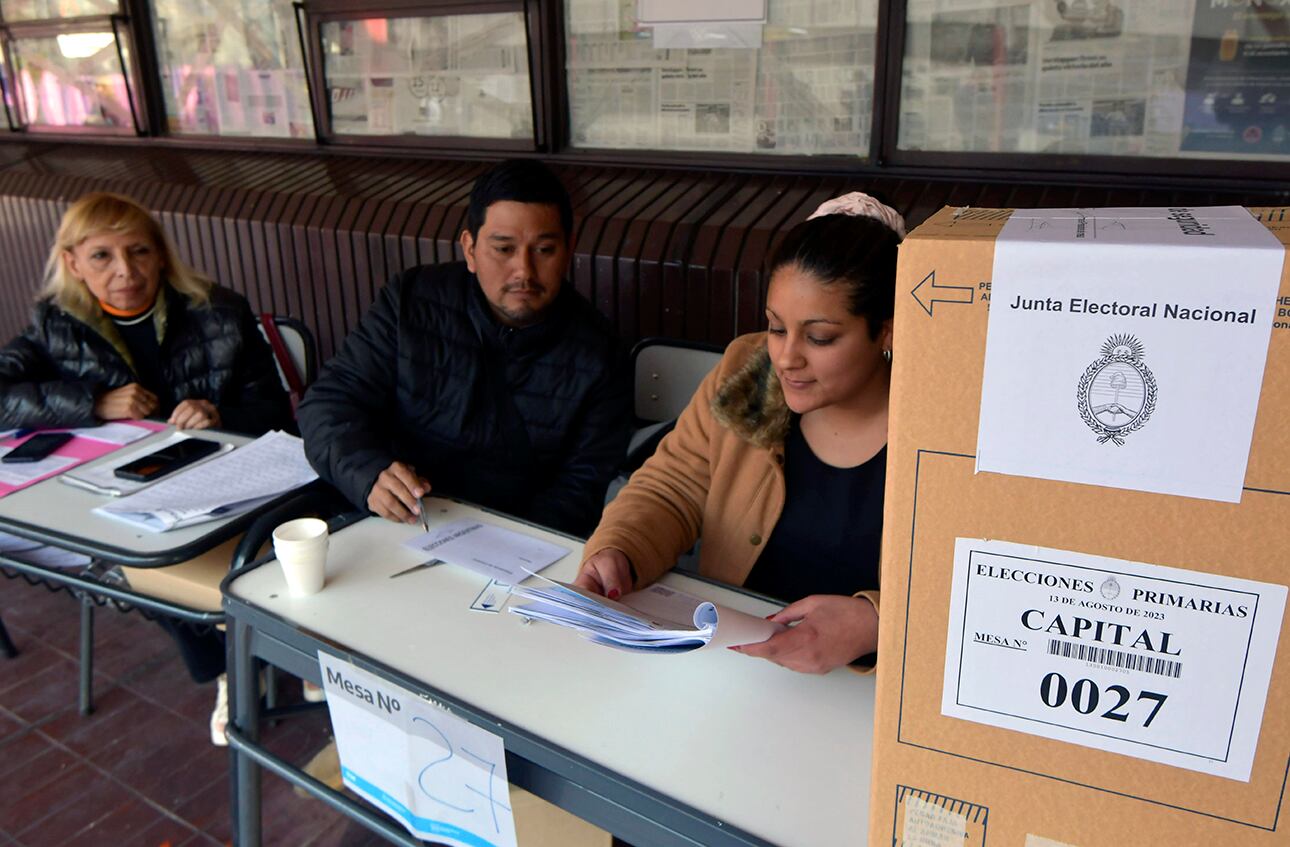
(720, 472)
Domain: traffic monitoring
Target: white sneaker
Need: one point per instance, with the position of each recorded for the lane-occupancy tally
(312, 693)
(219, 717)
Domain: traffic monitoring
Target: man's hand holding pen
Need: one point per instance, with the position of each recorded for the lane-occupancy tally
(398, 495)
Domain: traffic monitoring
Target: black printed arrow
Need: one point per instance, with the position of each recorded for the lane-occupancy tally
(941, 293)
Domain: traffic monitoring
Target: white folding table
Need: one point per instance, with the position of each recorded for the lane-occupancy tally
(704, 748)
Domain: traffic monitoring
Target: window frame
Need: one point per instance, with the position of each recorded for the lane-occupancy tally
(549, 92)
(826, 163)
(132, 72)
(8, 92)
(316, 13)
(161, 129)
(118, 4)
(1042, 163)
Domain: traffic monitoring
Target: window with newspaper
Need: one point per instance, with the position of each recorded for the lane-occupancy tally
(9, 123)
(74, 79)
(69, 67)
(232, 68)
(451, 75)
(787, 77)
(1172, 78)
(15, 11)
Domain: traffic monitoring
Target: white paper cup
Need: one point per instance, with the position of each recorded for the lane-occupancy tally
(301, 548)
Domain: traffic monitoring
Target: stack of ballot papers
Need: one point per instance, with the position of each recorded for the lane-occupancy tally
(35, 553)
(657, 618)
(228, 485)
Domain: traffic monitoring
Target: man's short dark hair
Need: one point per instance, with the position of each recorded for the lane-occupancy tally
(521, 180)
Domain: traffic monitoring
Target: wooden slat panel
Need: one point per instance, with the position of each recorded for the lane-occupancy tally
(667, 238)
(614, 239)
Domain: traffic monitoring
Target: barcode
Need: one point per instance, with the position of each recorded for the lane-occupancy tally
(1114, 658)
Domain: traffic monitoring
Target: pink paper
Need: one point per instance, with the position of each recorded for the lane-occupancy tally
(79, 448)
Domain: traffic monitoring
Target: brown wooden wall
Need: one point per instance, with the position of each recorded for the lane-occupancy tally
(671, 253)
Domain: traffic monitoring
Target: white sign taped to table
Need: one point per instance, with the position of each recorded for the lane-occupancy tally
(440, 776)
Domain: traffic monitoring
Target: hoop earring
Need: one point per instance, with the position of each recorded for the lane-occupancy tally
(886, 355)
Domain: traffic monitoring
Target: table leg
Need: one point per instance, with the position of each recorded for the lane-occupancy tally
(271, 689)
(244, 698)
(87, 655)
(6, 643)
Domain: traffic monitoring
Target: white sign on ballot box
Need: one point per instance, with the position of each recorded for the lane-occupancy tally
(442, 777)
(1144, 660)
(1126, 347)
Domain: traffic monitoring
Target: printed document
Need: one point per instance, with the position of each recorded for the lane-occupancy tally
(657, 618)
(113, 433)
(22, 473)
(1155, 662)
(492, 551)
(102, 479)
(1126, 347)
(439, 775)
(236, 482)
(33, 552)
(88, 443)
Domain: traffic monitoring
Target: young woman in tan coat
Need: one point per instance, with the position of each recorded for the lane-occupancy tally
(779, 460)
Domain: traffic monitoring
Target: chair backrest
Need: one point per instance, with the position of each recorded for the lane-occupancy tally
(299, 344)
(667, 372)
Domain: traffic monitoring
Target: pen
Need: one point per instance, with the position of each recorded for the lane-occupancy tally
(421, 506)
(420, 567)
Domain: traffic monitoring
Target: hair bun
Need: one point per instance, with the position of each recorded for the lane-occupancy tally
(861, 205)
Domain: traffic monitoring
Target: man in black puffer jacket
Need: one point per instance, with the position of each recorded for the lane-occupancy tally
(491, 380)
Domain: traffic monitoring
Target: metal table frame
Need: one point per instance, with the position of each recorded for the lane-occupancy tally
(92, 591)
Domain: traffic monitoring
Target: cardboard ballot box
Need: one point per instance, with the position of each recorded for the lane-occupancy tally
(1083, 639)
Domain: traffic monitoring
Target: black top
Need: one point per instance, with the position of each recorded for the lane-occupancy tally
(828, 536)
(140, 336)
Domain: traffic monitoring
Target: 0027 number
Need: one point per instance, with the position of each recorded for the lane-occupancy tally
(1085, 697)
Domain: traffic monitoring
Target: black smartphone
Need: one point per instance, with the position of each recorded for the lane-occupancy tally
(167, 460)
(37, 447)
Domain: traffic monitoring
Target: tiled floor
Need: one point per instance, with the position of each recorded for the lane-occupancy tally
(141, 770)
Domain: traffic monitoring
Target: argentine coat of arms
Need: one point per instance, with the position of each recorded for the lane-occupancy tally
(1117, 393)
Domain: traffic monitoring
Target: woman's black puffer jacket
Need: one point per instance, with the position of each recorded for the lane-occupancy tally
(51, 374)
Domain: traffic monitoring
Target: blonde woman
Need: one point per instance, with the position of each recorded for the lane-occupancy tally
(124, 329)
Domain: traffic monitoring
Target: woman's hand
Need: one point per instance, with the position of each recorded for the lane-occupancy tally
(831, 630)
(395, 493)
(608, 573)
(194, 414)
(131, 401)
